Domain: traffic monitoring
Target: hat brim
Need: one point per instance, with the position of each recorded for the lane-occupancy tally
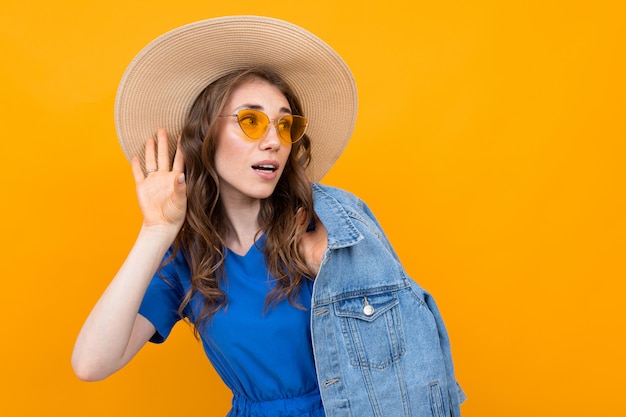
(161, 83)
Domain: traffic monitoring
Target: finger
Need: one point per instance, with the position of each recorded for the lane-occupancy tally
(137, 171)
(151, 163)
(163, 150)
(179, 160)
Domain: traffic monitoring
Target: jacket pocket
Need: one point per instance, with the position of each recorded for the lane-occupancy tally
(372, 329)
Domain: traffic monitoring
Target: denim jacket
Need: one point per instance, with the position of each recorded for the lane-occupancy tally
(381, 348)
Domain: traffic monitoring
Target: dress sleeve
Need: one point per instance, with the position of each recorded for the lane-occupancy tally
(163, 297)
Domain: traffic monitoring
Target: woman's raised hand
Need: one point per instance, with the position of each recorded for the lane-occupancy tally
(161, 192)
(114, 332)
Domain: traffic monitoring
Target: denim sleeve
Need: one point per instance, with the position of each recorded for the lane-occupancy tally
(455, 390)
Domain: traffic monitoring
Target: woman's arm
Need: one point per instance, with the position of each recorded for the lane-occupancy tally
(114, 331)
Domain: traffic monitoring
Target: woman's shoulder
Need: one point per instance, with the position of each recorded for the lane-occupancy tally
(174, 265)
(334, 200)
(339, 194)
(329, 198)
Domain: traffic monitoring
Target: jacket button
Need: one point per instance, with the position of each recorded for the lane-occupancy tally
(368, 310)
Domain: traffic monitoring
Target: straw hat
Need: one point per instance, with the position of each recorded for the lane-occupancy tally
(161, 83)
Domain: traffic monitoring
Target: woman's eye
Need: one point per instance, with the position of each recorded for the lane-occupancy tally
(248, 119)
(284, 124)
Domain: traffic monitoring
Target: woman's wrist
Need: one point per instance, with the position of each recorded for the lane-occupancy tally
(159, 234)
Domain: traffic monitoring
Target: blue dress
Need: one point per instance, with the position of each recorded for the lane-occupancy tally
(263, 355)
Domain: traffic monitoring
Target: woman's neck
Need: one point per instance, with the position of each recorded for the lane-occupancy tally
(243, 217)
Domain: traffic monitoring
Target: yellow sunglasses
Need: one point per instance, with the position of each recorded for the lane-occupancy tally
(255, 123)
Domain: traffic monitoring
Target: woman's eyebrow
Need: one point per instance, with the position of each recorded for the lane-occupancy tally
(259, 107)
(251, 106)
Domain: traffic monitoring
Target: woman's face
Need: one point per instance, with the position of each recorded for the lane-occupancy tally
(250, 169)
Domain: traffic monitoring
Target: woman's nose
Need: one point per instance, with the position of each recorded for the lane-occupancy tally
(270, 139)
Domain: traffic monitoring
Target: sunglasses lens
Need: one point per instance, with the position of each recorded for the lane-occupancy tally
(291, 128)
(253, 123)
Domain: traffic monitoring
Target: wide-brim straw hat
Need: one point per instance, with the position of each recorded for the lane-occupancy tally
(163, 80)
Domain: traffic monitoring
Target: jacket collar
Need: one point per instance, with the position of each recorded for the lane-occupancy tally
(341, 230)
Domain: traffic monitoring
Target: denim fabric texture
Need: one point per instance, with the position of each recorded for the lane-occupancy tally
(380, 345)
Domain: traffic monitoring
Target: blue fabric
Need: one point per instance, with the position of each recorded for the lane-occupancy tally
(263, 355)
(380, 344)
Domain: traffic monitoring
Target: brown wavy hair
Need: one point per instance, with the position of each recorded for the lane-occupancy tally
(201, 237)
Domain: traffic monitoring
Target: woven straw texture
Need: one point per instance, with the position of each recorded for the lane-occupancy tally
(162, 81)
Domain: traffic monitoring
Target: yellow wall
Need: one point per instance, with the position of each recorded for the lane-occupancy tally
(490, 144)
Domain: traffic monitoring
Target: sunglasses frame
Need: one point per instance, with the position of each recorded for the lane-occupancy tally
(274, 122)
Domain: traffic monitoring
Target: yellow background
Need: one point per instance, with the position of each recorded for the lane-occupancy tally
(490, 144)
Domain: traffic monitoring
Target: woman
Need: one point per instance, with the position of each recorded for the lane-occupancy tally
(234, 234)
